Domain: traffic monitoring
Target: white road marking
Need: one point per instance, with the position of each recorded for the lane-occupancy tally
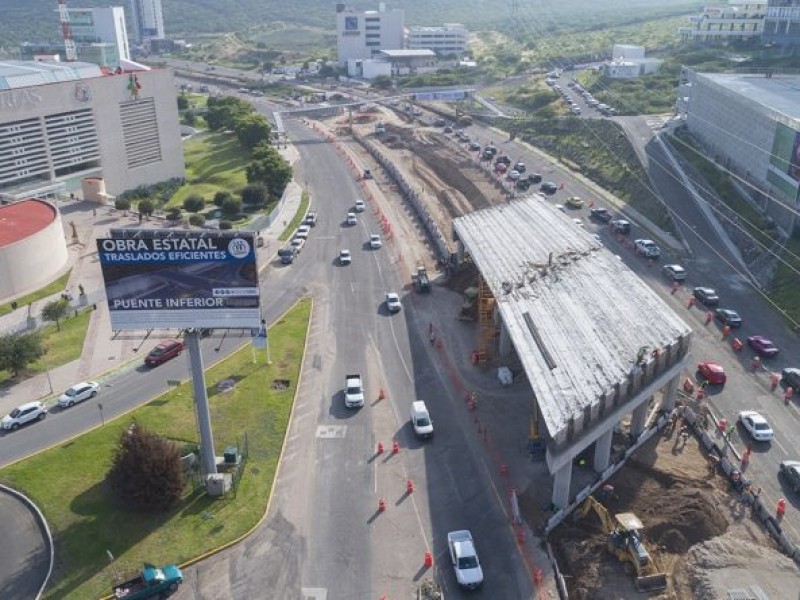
(314, 593)
(331, 431)
(779, 445)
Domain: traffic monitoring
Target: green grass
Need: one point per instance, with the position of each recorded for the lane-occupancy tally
(59, 285)
(305, 201)
(214, 162)
(67, 482)
(785, 288)
(61, 346)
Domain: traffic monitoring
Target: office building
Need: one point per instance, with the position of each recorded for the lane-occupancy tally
(739, 21)
(449, 39)
(363, 34)
(782, 24)
(147, 20)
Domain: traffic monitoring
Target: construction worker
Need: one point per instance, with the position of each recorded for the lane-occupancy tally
(606, 493)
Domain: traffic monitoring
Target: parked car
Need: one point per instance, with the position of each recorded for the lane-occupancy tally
(502, 159)
(790, 376)
(520, 167)
(574, 202)
(351, 218)
(756, 425)
(534, 178)
(706, 296)
(375, 241)
(393, 304)
(647, 248)
(712, 372)
(447, 129)
(474, 146)
(600, 214)
(303, 231)
(311, 219)
(78, 393)
(359, 205)
(500, 167)
(439, 122)
(287, 254)
(726, 316)
(523, 185)
(26, 413)
(345, 258)
(513, 175)
(548, 187)
(674, 272)
(762, 346)
(489, 152)
(790, 469)
(166, 350)
(298, 243)
(621, 226)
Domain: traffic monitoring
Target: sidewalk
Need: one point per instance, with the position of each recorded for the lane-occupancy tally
(103, 354)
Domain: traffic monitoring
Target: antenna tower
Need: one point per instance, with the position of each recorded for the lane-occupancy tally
(66, 32)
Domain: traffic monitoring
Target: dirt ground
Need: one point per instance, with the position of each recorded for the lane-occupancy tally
(701, 535)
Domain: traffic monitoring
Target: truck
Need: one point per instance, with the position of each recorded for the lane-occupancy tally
(152, 582)
(353, 391)
(469, 574)
(422, 282)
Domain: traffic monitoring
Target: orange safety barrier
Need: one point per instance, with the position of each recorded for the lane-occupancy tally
(737, 344)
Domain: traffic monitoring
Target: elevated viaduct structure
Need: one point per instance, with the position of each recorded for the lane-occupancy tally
(596, 343)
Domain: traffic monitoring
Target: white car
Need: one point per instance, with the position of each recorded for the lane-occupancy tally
(393, 302)
(674, 272)
(345, 257)
(360, 206)
(756, 425)
(298, 243)
(78, 393)
(351, 218)
(375, 241)
(32, 411)
(647, 248)
(303, 231)
(513, 175)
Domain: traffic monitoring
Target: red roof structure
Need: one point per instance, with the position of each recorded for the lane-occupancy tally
(20, 220)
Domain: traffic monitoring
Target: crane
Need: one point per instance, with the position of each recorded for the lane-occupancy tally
(66, 32)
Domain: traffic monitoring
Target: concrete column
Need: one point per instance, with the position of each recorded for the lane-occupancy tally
(670, 394)
(638, 419)
(561, 483)
(208, 459)
(602, 451)
(505, 340)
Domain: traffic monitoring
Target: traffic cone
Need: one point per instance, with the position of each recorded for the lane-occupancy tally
(409, 487)
(395, 447)
(781, 509)
(381, 395)
(380, 447)
(428, 561)
(774, 378)
(381, 505)
(520, 536)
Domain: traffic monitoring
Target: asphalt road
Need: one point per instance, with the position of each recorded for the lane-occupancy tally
(24, 556)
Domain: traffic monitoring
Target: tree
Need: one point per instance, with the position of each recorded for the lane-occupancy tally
(189, 118)
(194, 203)
(224, 112)
(183, 102)
(18, 351)
(232, 207)
(252, 130)
(122, 204)
(256, 194)
(146, 207)
(382, 82)
(146, 471)
(270, 168)
(55, 311)
(174, 214)
(225, 225)
(221, 197)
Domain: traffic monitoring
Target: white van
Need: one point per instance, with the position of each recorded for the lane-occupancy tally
(421, 420)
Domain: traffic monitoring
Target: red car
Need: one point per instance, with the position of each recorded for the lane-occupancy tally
(712, 372)
(163, 352)
(762, 346)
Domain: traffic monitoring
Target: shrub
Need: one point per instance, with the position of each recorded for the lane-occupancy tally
(256, 194)
(225, 225)
(122, 204)
(174, 214)
(146, 472)
(194, 203)
(197, 220)
(221, 197)
(146, 207)
(231, 208)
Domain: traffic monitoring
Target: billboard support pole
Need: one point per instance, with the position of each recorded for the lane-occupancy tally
(208, 458)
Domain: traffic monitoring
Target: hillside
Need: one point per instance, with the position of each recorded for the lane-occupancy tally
(36, 20)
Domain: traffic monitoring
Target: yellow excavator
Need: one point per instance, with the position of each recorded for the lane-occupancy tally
(626, 543)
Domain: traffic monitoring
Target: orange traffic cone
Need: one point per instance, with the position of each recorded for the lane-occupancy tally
(428, 559)
(409, 487)
(381, 505)
(380, 447)
(395, 447)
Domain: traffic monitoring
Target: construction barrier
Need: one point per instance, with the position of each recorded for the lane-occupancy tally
(737, 344)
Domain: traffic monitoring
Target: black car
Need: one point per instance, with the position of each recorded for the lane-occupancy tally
(601, 214)
(489, 152)
(791, 377)
(535, 178)
(439, 123)
(523, 184)
(474, 146)
(727, 316)
(790, 469)
(548, 187)
(287, 254)
(706, 296)
(502, 159)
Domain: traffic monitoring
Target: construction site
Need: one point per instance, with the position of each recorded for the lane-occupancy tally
(670, 520)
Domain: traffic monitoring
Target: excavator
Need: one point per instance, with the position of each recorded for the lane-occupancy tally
(626, 543)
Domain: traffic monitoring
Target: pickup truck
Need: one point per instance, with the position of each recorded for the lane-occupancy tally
(465, 559)
(353, 391)
(151, 582)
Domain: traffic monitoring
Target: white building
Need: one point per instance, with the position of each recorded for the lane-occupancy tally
(450, 38)
(104, 25)
(738, 21)
(626, 52)
(628, 62)
(751, 125)
(362, 35)
(64, 123)
(147, 20)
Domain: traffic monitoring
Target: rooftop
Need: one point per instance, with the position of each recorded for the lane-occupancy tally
(779, 92)
(407, 53)
(26, 73)
(577, 316)
(22, 219)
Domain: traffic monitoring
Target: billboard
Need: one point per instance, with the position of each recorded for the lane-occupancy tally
(180, 279)
(784, 163)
